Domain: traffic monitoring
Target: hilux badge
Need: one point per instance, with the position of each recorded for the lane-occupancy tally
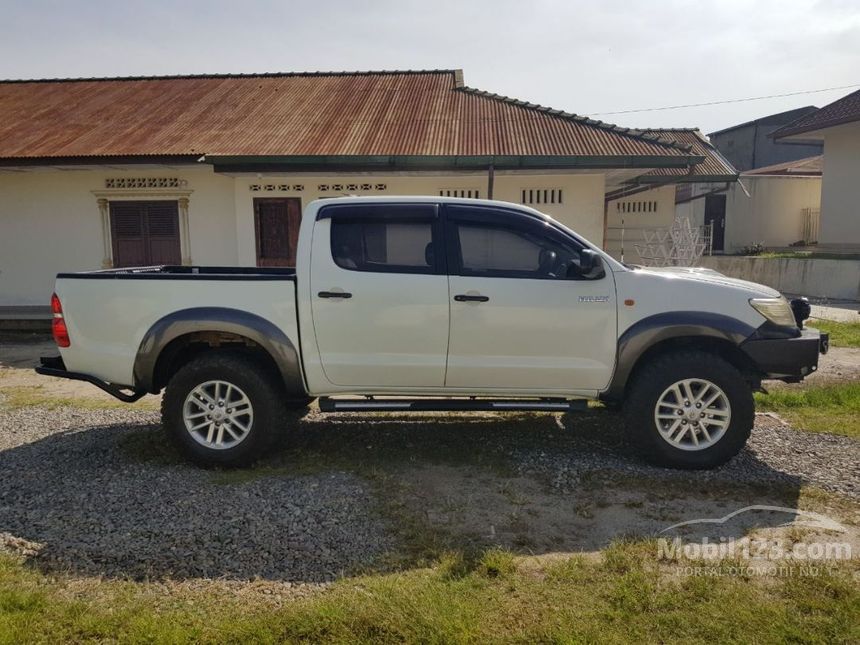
(594, 298)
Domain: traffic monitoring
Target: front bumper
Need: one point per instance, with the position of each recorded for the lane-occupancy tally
(787, 359)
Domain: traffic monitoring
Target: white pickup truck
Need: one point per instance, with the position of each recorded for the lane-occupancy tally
(404, 304)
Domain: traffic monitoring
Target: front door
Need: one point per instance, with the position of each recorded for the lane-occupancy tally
(715, 215)
(379, 295)
(276, 226)
(522, 316)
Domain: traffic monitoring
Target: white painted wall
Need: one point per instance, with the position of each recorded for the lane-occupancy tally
(816, 277)
(632, 224)
(50, 222)
(581, 208)
(773, 213)
(840, 192)
(50, 219)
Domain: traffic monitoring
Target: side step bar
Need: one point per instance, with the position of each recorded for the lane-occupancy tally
(328, 404)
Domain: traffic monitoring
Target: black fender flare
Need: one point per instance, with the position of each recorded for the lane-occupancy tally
(648, 332)
(217, 319)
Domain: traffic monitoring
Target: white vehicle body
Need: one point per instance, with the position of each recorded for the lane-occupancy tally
(429, 312)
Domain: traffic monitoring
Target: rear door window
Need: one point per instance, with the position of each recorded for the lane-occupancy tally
(386, 238)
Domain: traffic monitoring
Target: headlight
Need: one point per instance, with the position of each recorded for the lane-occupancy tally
(776, 310)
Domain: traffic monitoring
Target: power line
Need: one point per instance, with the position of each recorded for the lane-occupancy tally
(752, 98)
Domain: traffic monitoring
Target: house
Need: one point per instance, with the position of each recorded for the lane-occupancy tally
(837, 126)
(653, 200)
(750, 145)
(777, 206)
(215, 169)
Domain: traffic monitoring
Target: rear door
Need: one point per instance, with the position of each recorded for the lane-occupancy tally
(522, 317)
(379, 295)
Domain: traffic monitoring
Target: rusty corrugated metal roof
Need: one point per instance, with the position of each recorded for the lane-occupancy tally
(300, 114)
(845, 110)
(715, 166)
(808, 167)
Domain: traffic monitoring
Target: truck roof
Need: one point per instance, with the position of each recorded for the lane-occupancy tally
(421, 199)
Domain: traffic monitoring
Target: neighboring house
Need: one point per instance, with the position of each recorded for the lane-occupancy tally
(215, 170)
(650, 202)
(838, 126)
(777, 206)
(750, 145)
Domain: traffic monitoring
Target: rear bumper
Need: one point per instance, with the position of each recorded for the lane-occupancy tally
(787, 359)
(54, 366)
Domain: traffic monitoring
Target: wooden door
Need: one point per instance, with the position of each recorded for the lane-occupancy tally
(276, 226)
(145, 233)
(715, 214)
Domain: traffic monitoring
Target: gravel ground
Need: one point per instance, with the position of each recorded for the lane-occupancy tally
(95, 492)
(775, 454)
(70, 490)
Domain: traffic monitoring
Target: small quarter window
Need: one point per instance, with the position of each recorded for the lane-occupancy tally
(385, 239)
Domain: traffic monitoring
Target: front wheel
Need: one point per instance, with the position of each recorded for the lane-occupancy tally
(223, 409)
(689, 410)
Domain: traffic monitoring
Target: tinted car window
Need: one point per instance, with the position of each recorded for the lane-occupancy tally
(384, 239)
(504, 244)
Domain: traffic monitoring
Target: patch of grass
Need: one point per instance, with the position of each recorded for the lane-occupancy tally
(14, 397)
(635, 598)
(497, 563)
(842, 334)
(824, 408)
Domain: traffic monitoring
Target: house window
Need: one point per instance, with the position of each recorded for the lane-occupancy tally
(145, 233)
(468, 193)
(541, 196)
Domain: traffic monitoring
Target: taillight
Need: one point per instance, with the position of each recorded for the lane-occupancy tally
(58, 323)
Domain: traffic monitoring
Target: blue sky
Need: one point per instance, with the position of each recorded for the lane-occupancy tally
(584, 57)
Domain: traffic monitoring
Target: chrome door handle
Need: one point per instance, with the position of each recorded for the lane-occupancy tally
(467, 298)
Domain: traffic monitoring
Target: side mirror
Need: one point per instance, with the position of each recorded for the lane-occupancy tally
(590, 266)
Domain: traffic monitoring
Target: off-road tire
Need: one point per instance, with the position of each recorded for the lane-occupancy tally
(261, 386)
(653, 379)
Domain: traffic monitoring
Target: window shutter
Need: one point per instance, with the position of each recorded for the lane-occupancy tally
(127, 234)
(145, 233)
(163, 227)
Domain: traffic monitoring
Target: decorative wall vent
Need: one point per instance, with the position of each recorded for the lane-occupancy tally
(541, 196)
(641, 206)
(469, 193)
(349, 188)
(279, 188)
(145, 182)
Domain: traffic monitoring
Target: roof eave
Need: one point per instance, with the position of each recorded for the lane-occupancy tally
(812, 131)
(297, 163)
(98, 160)
(686, 179)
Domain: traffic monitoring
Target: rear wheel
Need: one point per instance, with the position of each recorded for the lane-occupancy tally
(689, 410)
(223, 409)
